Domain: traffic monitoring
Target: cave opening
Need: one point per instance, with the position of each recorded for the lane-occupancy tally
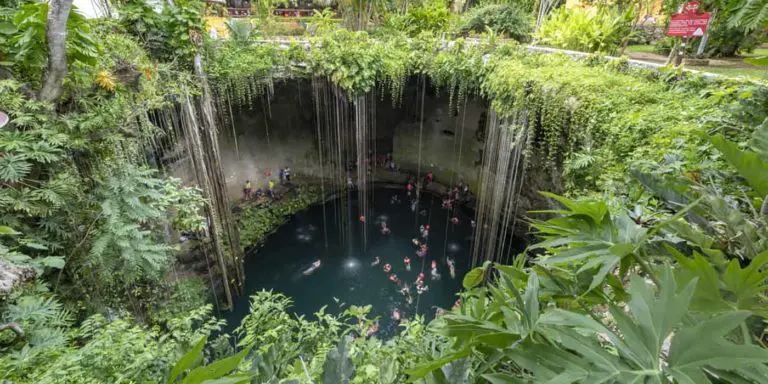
(363, 152)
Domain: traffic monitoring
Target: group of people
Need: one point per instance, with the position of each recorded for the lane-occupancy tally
(284, 175)
(420, 284)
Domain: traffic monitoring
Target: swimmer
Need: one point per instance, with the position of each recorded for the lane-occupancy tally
(409, 188)
(420, 278)
(362, 219)
(472, 223)
(415, 242)
(407, 262)
(414, 205)
(396, 315)
(406, 291)
(422, 251)
(439, 312)
(384, 228)
(312, 268)
(434, 274)
(457, 303)
(393, 278)
(375, 261)
(454, 220)
(372, 329)
(387, 268)
(422, 288)
(452, 267)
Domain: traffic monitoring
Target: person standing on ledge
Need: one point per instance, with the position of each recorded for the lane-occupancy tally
(271, 188)
(247, 190)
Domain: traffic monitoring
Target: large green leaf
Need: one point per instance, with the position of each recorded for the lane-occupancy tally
(473, 278)
(420, 371)
(188, 361)
(338, 367)
(747, 163)
(217, 369)
(704, 345)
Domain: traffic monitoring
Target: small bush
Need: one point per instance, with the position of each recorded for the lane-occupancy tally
(590, 30)
(433, 16)
(505, 19)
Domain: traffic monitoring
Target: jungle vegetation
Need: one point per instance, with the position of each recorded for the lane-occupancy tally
(652, 267)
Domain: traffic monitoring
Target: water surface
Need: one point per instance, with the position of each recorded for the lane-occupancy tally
(346, 276)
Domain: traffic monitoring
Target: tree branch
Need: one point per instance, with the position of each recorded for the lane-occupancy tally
(15, 327)
(56, 32)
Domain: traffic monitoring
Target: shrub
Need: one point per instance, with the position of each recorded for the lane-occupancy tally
(433, 16)
(506, 19)
(591, 30)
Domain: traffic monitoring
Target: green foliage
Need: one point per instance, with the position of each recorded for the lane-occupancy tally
(257, 221)
(428, 17)
(100, 350)
(240, 31)
(23, 42)
(133, 207)
(588, 30)
(174, 34)
(509, 20)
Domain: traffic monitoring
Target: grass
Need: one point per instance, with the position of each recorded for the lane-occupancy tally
(757, 52)
(759, 73)
(645, 48)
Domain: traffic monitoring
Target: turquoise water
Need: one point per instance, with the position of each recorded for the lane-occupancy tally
(346, 276)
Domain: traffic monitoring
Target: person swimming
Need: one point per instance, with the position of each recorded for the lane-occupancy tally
(420, 278)
(362, 219)
(434, 273)
(424, 229)
(421, 288)
(387, 268)
(452, 267)
(454, 220)
(422, 252)
(372, 329)
(406, 291)
(457, 303)
(415, 242)
(407, 261)
(393, 278)
(384, 228)
(312, 268)
(375, 261)
(396, 315)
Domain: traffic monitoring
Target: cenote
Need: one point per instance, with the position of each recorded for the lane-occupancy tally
(346, 276)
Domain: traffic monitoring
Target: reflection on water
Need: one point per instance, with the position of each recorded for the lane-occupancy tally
(347, 271)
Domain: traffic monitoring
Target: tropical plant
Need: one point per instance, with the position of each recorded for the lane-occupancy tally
(26, 42)
(509, 20)
(603, 29)
(240, 31)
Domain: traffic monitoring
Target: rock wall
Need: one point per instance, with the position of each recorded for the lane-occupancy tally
(270, 136)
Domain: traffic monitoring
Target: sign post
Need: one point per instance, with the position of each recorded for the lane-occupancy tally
(687, 24)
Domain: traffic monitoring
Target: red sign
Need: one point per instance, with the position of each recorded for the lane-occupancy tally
(689, 23)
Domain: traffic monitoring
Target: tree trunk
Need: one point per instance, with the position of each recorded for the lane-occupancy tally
(56, 32)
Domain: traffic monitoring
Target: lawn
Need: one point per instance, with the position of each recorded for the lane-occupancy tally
(645, 48)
